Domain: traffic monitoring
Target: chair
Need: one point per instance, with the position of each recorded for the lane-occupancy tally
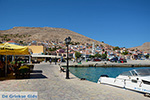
(23, 73)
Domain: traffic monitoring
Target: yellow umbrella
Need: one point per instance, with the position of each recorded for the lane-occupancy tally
(11, 49)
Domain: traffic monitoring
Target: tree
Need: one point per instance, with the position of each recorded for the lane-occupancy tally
(103, 50)
(132, 50)
(77, 54)
(52, 49)
(125, 53)
(72, 43)
(101, 45)
(97, 55)
(21, 42)
(8, 39)
(91, 56)
(116, 48)
(147, 56)
(77, 43)
(59, 47)
(104, 56)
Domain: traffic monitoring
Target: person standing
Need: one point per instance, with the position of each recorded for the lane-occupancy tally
(50, 60)
(55, 61)
(59, 61)
(73, 60)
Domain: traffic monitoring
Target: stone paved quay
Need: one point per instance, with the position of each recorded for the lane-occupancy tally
(52, 85)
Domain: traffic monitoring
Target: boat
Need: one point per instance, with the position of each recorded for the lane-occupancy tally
(136, 80)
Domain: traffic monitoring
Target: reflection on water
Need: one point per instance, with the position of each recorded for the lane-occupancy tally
(93, 73)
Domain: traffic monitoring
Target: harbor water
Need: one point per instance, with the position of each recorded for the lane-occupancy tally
(93, 73)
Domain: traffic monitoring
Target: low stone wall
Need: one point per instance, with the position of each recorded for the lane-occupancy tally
(107, 65)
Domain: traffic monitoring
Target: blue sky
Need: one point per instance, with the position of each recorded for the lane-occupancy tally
(123, 23)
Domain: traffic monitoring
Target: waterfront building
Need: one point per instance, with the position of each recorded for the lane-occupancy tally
(37, 49)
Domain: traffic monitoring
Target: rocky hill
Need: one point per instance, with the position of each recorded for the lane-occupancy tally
(145, 47)
(28, 34)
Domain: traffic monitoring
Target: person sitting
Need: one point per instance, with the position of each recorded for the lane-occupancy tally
(1, 68)
(9, 67)
(62, 69)
(59, 61)
(15, 66)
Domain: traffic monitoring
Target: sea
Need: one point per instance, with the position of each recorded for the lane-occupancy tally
(93, 73)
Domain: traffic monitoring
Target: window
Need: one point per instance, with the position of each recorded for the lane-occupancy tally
(126, 74)
(134, 73)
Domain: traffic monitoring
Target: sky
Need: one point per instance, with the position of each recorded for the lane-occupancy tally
(123, 23)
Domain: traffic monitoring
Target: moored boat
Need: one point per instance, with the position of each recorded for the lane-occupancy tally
(136, 80)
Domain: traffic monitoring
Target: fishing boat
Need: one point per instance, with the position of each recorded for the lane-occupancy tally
(136, 80)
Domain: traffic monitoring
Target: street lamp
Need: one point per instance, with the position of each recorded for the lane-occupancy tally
(67, 41)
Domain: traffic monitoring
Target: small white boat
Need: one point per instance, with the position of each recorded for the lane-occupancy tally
(136, 79)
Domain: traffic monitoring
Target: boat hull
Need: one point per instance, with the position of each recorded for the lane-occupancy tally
(131, 84)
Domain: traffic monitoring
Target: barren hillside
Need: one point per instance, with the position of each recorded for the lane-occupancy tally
(29, 34)
(145, 47)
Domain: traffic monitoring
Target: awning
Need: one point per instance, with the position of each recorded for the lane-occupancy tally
(45, 56)
(11, 49)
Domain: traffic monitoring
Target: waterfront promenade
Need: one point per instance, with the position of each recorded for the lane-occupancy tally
(51, 84)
